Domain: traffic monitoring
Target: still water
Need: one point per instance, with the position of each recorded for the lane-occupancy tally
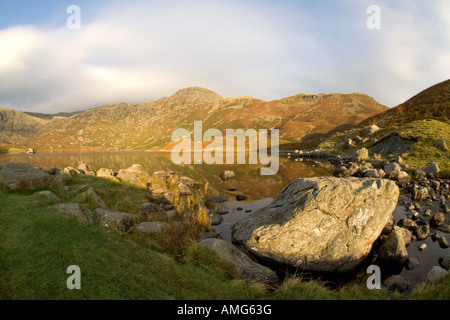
(248, 180)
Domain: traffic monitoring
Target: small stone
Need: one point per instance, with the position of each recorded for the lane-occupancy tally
(435, 274)
(218, 199)
(50, 195)
(443, 243)
(436, 236)
(437, 220)
(412, 263)
(216, 219)
(227, 175)
(241, 198)
(397, 283)
(151, 227)
(423, 246)
(222, 213)
(421, 232)
(427, 213)
(444, 262)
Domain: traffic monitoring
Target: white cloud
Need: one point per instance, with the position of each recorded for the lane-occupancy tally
(146, 50)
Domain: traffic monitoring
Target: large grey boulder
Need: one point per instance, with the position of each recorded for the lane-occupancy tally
(23, 176)
(119, 221)
(244, 266)
(83, 214)
(322, 224)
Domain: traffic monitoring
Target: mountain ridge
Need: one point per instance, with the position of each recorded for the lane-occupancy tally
(148, 125)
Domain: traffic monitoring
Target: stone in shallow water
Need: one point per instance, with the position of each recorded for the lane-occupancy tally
(218, 199)
(320, 224)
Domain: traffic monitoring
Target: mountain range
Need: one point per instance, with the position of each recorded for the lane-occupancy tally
(149, 125)
(304, 120)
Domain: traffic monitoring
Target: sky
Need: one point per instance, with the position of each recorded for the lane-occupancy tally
(136, 51)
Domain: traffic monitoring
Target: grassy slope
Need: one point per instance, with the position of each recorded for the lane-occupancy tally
(426, 132)
(37, 245)
(425, 150)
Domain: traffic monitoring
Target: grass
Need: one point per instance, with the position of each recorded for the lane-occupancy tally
(427, 132)
(37, 244)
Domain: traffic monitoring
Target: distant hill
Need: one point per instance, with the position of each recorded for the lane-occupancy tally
(46, 116)
(149, 125)
(16, 126)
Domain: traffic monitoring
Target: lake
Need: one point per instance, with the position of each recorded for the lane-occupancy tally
(248, 180)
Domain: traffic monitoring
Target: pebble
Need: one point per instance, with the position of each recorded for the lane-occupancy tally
(423, 246)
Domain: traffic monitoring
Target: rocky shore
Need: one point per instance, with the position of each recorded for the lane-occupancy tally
(326, 224)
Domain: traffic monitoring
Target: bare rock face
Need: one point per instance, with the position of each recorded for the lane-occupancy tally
(23, 176)
(320, 224)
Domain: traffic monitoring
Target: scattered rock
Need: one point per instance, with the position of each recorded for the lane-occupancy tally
(119, 221)
(392, 169)
(423, 246)
(184, 189)
(49, 195)
(360, 155)
(408, 224)
(70, 171)
(150, 208)
(443, 242)
(218, 199)
(134, 174)
(216, 219)
(207, 235)
(403, 179)
(83, 214)
(226, 175)
(397, 283)
(87, 169)
(422, 231)
(371, 130)
(245, 267)
(420, 193)
(241, 198)
(151, 227)
(93, 198)
(188, 182)
(393, 250)
(51, 171)
(23, 176)
(441, 144)
(432, 170)
(412, 263)
(105, 173)
(444, 262)
(223, 212)
(435, 274)
(437, 220)
(321, 224)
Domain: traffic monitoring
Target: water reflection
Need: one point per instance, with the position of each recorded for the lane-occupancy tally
(248, 180)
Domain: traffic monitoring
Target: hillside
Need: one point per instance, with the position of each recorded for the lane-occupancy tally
(432, 103)
(15, 126)
(149, 125)
(417, 130)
